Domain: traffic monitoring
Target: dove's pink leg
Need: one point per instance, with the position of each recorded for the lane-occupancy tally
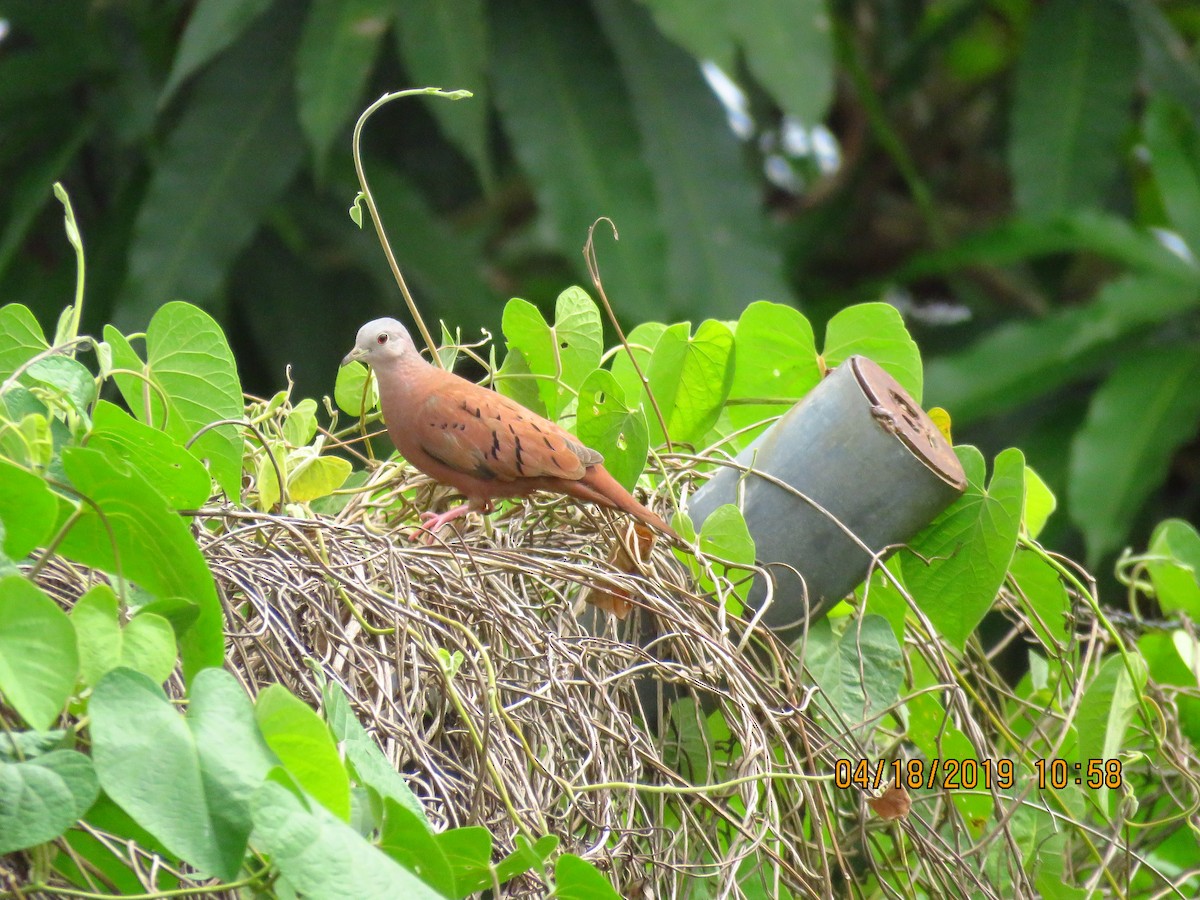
(432, 522)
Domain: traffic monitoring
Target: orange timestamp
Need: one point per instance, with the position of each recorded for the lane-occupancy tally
(971, 774)
(947, 774)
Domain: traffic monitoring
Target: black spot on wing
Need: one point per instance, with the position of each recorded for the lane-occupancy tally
(520, 464)
(495, 451)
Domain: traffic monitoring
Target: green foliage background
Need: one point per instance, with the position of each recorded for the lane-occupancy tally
(1003, 168)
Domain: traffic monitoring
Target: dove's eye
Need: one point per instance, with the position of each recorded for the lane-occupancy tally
(382, 339)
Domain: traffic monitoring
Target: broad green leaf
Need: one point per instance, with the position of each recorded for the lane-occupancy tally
(66, 378)
(514, 380)
(1040, 503)
(858, 666)
(469, 852)
(235, 147)
(788, 46)
(444, 42)
(1173, 563)
(1138, 418)
(1174, 147)
(212, 26)
(1173, 658)
(1019, 361)
(301, 423)
(304, 745)
(1081, 231)
(959, 561)
(642, 341)
(1072, 105)
(18, 745)
(564, 353)
(146, 644)
(1106, 711)
(1046, 598)
(407, 838)
(775, 359)
(690, 376)
(371, 767)
(150, 763)
(352, 393)
(310, 475)
(21, 338)
(189, 360)
(38, 657)
(337, 49)
(526, 857)
(321, 856)
(563, 106)
(876, 331)
(724, 535)
(605, 423)
(699, 26)
(27, 510)
(719, 254)
(174, 472)
(42, 797)
(578, 879)
(155, 547)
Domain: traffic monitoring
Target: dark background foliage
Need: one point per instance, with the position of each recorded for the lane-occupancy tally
(1022, 179)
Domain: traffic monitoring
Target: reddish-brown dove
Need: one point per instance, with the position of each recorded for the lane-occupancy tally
(480, 442)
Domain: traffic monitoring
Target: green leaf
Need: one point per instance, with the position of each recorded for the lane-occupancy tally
(38, 657)
(66, 378)
(371, 767)
(348, 390)
(42, 797)
(606, 423)
(444, 42)
(563, 354)
(1041, 589)
(310, 475)
(1173, 658)
(304, 745)
(775, 359)
(469, 852)
(27, 510)
(719, 254)
(699, 26)
(578, 879)
(189, 360)
(788, 45)
(959, 561)
(146, 644)
(234, 149)
(563, 108)
(301, 423)
(21, 338)
(642, 341)
(1106, 711)
(1072, 105)
(526, 857)
(1175, 161)
(407, 838)
(858, 666)
(337, 49)
(1137, 419)
(1173, 563)
(183, 781)
(876, 331)
(155, 546)
(1022, 360)
(1040, 503)
(690, 376)
(212, 26)
(724, 534)
(174, 472)
(321, 856)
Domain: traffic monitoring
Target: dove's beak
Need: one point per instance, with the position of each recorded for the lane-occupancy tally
(356, 353)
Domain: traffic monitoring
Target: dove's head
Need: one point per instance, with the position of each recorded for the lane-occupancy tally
(380, 342)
